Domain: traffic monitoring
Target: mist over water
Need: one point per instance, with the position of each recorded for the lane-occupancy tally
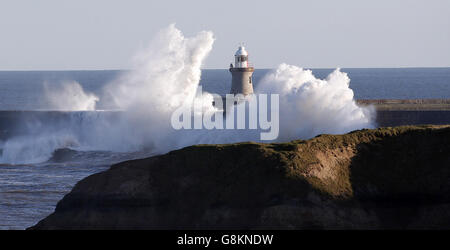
(70, 96)
(165, 76)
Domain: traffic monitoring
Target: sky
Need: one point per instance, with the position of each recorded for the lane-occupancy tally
(105, 34)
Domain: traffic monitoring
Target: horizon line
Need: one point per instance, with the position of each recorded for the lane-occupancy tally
(264, 68)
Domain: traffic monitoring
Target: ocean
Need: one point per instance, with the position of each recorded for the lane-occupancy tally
(23, 90)
(29, 191)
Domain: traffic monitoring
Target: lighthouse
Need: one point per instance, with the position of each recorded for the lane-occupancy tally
(241, 73)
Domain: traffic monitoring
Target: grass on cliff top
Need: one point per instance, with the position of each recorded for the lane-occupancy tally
(332, 140)
(387, 159)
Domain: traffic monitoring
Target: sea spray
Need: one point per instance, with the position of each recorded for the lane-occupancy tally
(166, 76)
(31, 149)
(70, 96)
(311, 106)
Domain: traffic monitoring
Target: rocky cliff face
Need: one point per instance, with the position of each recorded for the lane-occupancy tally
(368, 179)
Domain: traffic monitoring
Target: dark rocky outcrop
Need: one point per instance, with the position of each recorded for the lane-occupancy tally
(388, 178)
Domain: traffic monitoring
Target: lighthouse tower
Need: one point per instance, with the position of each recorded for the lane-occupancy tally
(241, 73)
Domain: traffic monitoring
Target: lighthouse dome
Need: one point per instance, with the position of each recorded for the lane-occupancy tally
(241, 51)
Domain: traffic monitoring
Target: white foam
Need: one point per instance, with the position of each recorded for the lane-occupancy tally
(165, 76)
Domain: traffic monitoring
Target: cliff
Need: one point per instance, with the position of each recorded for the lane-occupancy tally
(388, 178)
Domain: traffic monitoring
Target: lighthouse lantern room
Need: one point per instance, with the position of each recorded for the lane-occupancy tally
(241, 58)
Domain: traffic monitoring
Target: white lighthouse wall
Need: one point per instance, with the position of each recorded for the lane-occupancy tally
(241, 82)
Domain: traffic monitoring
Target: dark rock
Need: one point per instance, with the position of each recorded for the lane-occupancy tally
(63, 155)
(389, 178)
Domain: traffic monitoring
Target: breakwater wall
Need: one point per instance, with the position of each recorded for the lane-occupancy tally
(391, 118)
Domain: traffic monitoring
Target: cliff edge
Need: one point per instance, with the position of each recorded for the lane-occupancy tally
(387, 178)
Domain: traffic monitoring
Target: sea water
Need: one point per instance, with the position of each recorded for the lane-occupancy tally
(29, 192)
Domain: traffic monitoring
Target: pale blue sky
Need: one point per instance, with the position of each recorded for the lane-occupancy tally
(104, 34)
